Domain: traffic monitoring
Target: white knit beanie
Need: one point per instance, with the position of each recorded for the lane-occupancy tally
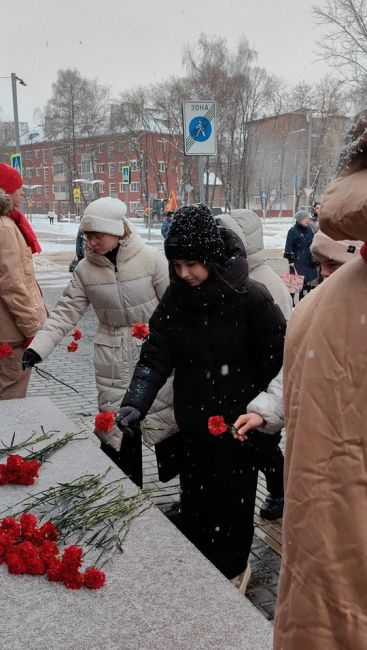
(104, 215)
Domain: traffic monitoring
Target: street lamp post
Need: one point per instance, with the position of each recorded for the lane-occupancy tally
(14, 80)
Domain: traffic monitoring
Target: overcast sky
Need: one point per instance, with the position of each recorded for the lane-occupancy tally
(124, 44)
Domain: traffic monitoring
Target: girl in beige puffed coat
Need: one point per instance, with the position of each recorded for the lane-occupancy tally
(123, 279)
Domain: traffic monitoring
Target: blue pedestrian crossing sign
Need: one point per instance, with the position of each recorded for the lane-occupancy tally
(200, 128)
(16, 162)
(199, 119)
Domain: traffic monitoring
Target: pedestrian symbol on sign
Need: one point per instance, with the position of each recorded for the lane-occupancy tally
(200, 128)
(16, 162)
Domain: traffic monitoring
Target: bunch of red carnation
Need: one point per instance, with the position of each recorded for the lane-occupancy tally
(104, 421)
(140, 330)
(19, 471)
(27, 548)
(6, 350)
(77, 335)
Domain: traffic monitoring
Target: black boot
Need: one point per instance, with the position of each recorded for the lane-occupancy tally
(272, 508)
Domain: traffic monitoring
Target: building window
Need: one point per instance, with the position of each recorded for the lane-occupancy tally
(90, 148)
(122, 187)
(100, 168)
(111, 148)
(161, 187)
(101, 188)
(46, 191)
(45, 156)
(133, 143)
(60, 187)
(112, 188)
(28, 155)
(36, 153)
(58, 168)
(79, 170)
(38, 171)
(111, 170)
(86, 167)
(134, 187)
(121, 145)
(100, 147)
(161, 145)
(162, 166)
(28, 172)
(134, 205)
(45, 173)
(133, 165)
(39, 190)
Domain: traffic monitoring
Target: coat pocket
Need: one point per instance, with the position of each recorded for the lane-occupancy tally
(108, 356)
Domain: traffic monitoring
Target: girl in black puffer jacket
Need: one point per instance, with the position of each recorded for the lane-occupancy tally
(223, 336)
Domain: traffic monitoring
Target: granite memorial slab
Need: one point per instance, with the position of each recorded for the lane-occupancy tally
(161, 593)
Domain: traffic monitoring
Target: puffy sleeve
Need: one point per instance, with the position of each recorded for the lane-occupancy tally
(66, 314)
(267, 327)
(13, 287)
(269, 404)
(160, 277)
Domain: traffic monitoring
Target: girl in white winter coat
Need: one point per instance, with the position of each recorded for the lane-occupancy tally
(123, 279)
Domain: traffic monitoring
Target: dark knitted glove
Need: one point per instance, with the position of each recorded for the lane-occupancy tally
(30, 358)
(127, 415)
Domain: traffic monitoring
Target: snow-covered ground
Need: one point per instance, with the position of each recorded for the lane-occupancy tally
(60, 237)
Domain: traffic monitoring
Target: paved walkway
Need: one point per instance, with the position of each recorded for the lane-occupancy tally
(76, 369)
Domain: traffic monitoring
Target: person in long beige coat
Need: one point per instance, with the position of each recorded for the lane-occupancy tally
(22, 310)
(123, 279)
(322, 596)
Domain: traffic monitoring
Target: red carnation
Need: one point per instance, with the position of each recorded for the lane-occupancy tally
(217, 425)
(3, 477)
(72, 580)
(19, 471)
(140, 330)
(6, 350)
(37, 568)
(15, 563)
(104, 421)
(6, 544)
(10, 527)
(77, 334)
(94, 578)
(54, 570)
(48, 551)
(28, 522)
(71, 558)
(73, 346)
(49, 531)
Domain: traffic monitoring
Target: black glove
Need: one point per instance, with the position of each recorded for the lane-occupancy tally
(127, 415)
(30, 358)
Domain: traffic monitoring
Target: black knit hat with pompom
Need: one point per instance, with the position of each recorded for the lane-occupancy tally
(194, 235)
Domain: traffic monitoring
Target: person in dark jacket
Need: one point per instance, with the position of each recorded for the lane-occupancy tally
(297, 251)
(166, 224)
(223, 335)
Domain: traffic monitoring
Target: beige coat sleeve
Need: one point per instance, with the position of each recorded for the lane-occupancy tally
(160, 278)
(66, 314)
(13, 285)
